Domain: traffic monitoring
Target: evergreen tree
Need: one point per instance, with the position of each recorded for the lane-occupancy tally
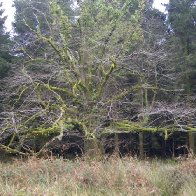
(5, 58)
(182, 21)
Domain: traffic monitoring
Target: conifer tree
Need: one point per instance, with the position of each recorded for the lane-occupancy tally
(182, 21)
(5, 58)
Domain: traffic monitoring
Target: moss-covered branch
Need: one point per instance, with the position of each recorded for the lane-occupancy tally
(105, 78)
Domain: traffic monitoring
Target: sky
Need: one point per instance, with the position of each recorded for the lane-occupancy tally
(159, 4)
(9, 10)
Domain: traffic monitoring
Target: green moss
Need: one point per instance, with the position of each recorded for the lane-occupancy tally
(128, 126)
(190, 129)
(106, 77)
(131, 126)
(63, 90)
(46, 131)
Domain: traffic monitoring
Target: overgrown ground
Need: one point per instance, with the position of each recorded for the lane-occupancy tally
(115, 176)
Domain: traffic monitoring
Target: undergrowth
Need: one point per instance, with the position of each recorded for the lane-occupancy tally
(114, 176)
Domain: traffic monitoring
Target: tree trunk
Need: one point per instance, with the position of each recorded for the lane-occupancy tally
(141, 145)
(192, 142)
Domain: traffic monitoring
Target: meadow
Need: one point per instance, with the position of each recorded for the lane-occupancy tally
(111, 176)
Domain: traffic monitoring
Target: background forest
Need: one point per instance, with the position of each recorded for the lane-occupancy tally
(89, 74)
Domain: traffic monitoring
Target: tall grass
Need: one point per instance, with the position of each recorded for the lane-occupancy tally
(128, 176)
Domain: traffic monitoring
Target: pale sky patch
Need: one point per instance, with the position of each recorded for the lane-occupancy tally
(10, 11)
(159, 4)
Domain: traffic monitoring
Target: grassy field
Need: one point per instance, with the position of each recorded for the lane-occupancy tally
(115, 176)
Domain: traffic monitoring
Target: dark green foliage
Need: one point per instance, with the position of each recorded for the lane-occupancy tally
(4, 67)
(31, 13)
(5, 57)
(182, 20)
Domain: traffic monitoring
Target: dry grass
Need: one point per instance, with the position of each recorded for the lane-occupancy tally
(128, 176)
